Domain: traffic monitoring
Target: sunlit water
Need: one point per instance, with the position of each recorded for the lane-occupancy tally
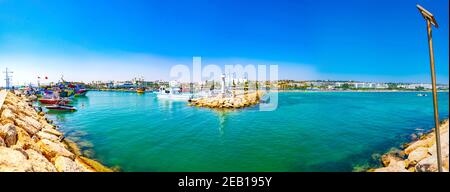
(312, 131)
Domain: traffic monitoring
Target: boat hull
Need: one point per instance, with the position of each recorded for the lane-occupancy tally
(52, 101)
(61, 108)
(140, 91)
(81, 93)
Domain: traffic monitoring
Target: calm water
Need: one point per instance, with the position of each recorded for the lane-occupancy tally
(308, 132)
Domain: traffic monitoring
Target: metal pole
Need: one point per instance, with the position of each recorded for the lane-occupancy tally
(435, 103)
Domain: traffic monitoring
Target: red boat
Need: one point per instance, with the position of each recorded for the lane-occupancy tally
(53, 101)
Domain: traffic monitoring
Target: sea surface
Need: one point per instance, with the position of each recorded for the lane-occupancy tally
(309, 131)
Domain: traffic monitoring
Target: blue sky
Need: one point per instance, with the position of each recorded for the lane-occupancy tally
(368, 40)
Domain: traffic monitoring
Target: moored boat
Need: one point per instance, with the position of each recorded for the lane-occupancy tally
(174, 92)
(61, 107)
(140, 90)
(53, 101)
(80, 93)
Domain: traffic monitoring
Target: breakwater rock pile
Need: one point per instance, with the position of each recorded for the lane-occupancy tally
(419, 156)
(220, 101)
(29, 143)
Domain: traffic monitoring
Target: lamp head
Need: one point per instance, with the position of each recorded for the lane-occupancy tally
(427, 15)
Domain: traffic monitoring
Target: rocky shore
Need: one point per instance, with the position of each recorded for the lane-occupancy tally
(420, 155)
(222, 102)
(30, 143)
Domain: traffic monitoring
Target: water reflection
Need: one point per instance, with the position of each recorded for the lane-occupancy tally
(222, 115)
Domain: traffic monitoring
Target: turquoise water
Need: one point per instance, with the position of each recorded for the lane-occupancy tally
(313, 131)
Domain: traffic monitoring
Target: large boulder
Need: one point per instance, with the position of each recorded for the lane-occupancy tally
(48, 136)
(386, 159)
(9, 134)
(24, 140)
(418, 154)
(31, 121)
(84, 165)
(428, 164)
(64, 164)
(39, 162)
(13, 161)
(394, 166)
(51, 130)
(8, 114)
(51, 149)
(2, 142)
(428, 142)
(444, 145)
(25, 126)
(94, 165)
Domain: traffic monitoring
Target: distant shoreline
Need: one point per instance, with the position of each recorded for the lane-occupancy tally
(369, 91)
(306, 91)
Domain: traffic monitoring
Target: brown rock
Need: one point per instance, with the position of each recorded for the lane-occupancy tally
(418, 154)
(48, 136)
(39, 162)
(51, 131)
(28, 128)
(13, 161)
(8, 114)
(2, 142)
(386, 159)
(444, 145)
(51, 149)
(394, 166)
(64, 164)
(23, 138)
(86, 167)
(428, 164)
(428, 142)
(31, 121)
(9, 134)
(95, 165)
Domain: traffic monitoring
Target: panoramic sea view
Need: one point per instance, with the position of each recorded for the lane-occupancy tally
(309, 131)
(224, 95)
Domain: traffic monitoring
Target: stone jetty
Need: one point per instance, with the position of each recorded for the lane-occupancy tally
(224, 102)
(29, 143)
(420, 155)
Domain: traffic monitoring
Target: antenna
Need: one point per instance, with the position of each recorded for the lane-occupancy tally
(7, 77)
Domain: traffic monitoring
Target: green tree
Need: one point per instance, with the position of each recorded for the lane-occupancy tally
(345, 86)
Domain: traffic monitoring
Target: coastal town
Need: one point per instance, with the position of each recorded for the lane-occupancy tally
(312, 85)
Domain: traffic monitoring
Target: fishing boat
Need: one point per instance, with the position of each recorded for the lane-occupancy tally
(80, 93)
(173, 92)
(61, 107)
(140, 90)
(52, 101)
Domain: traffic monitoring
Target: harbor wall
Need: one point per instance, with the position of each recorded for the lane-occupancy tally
(30, 143)
(419, 155)
(221, 102)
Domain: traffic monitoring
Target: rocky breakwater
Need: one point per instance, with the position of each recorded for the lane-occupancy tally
(223, 102)
(29, 143)
(420, 155)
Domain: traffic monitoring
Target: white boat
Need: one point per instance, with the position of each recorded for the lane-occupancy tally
(173, 92)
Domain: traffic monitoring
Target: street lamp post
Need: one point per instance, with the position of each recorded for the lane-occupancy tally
(432, 21)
